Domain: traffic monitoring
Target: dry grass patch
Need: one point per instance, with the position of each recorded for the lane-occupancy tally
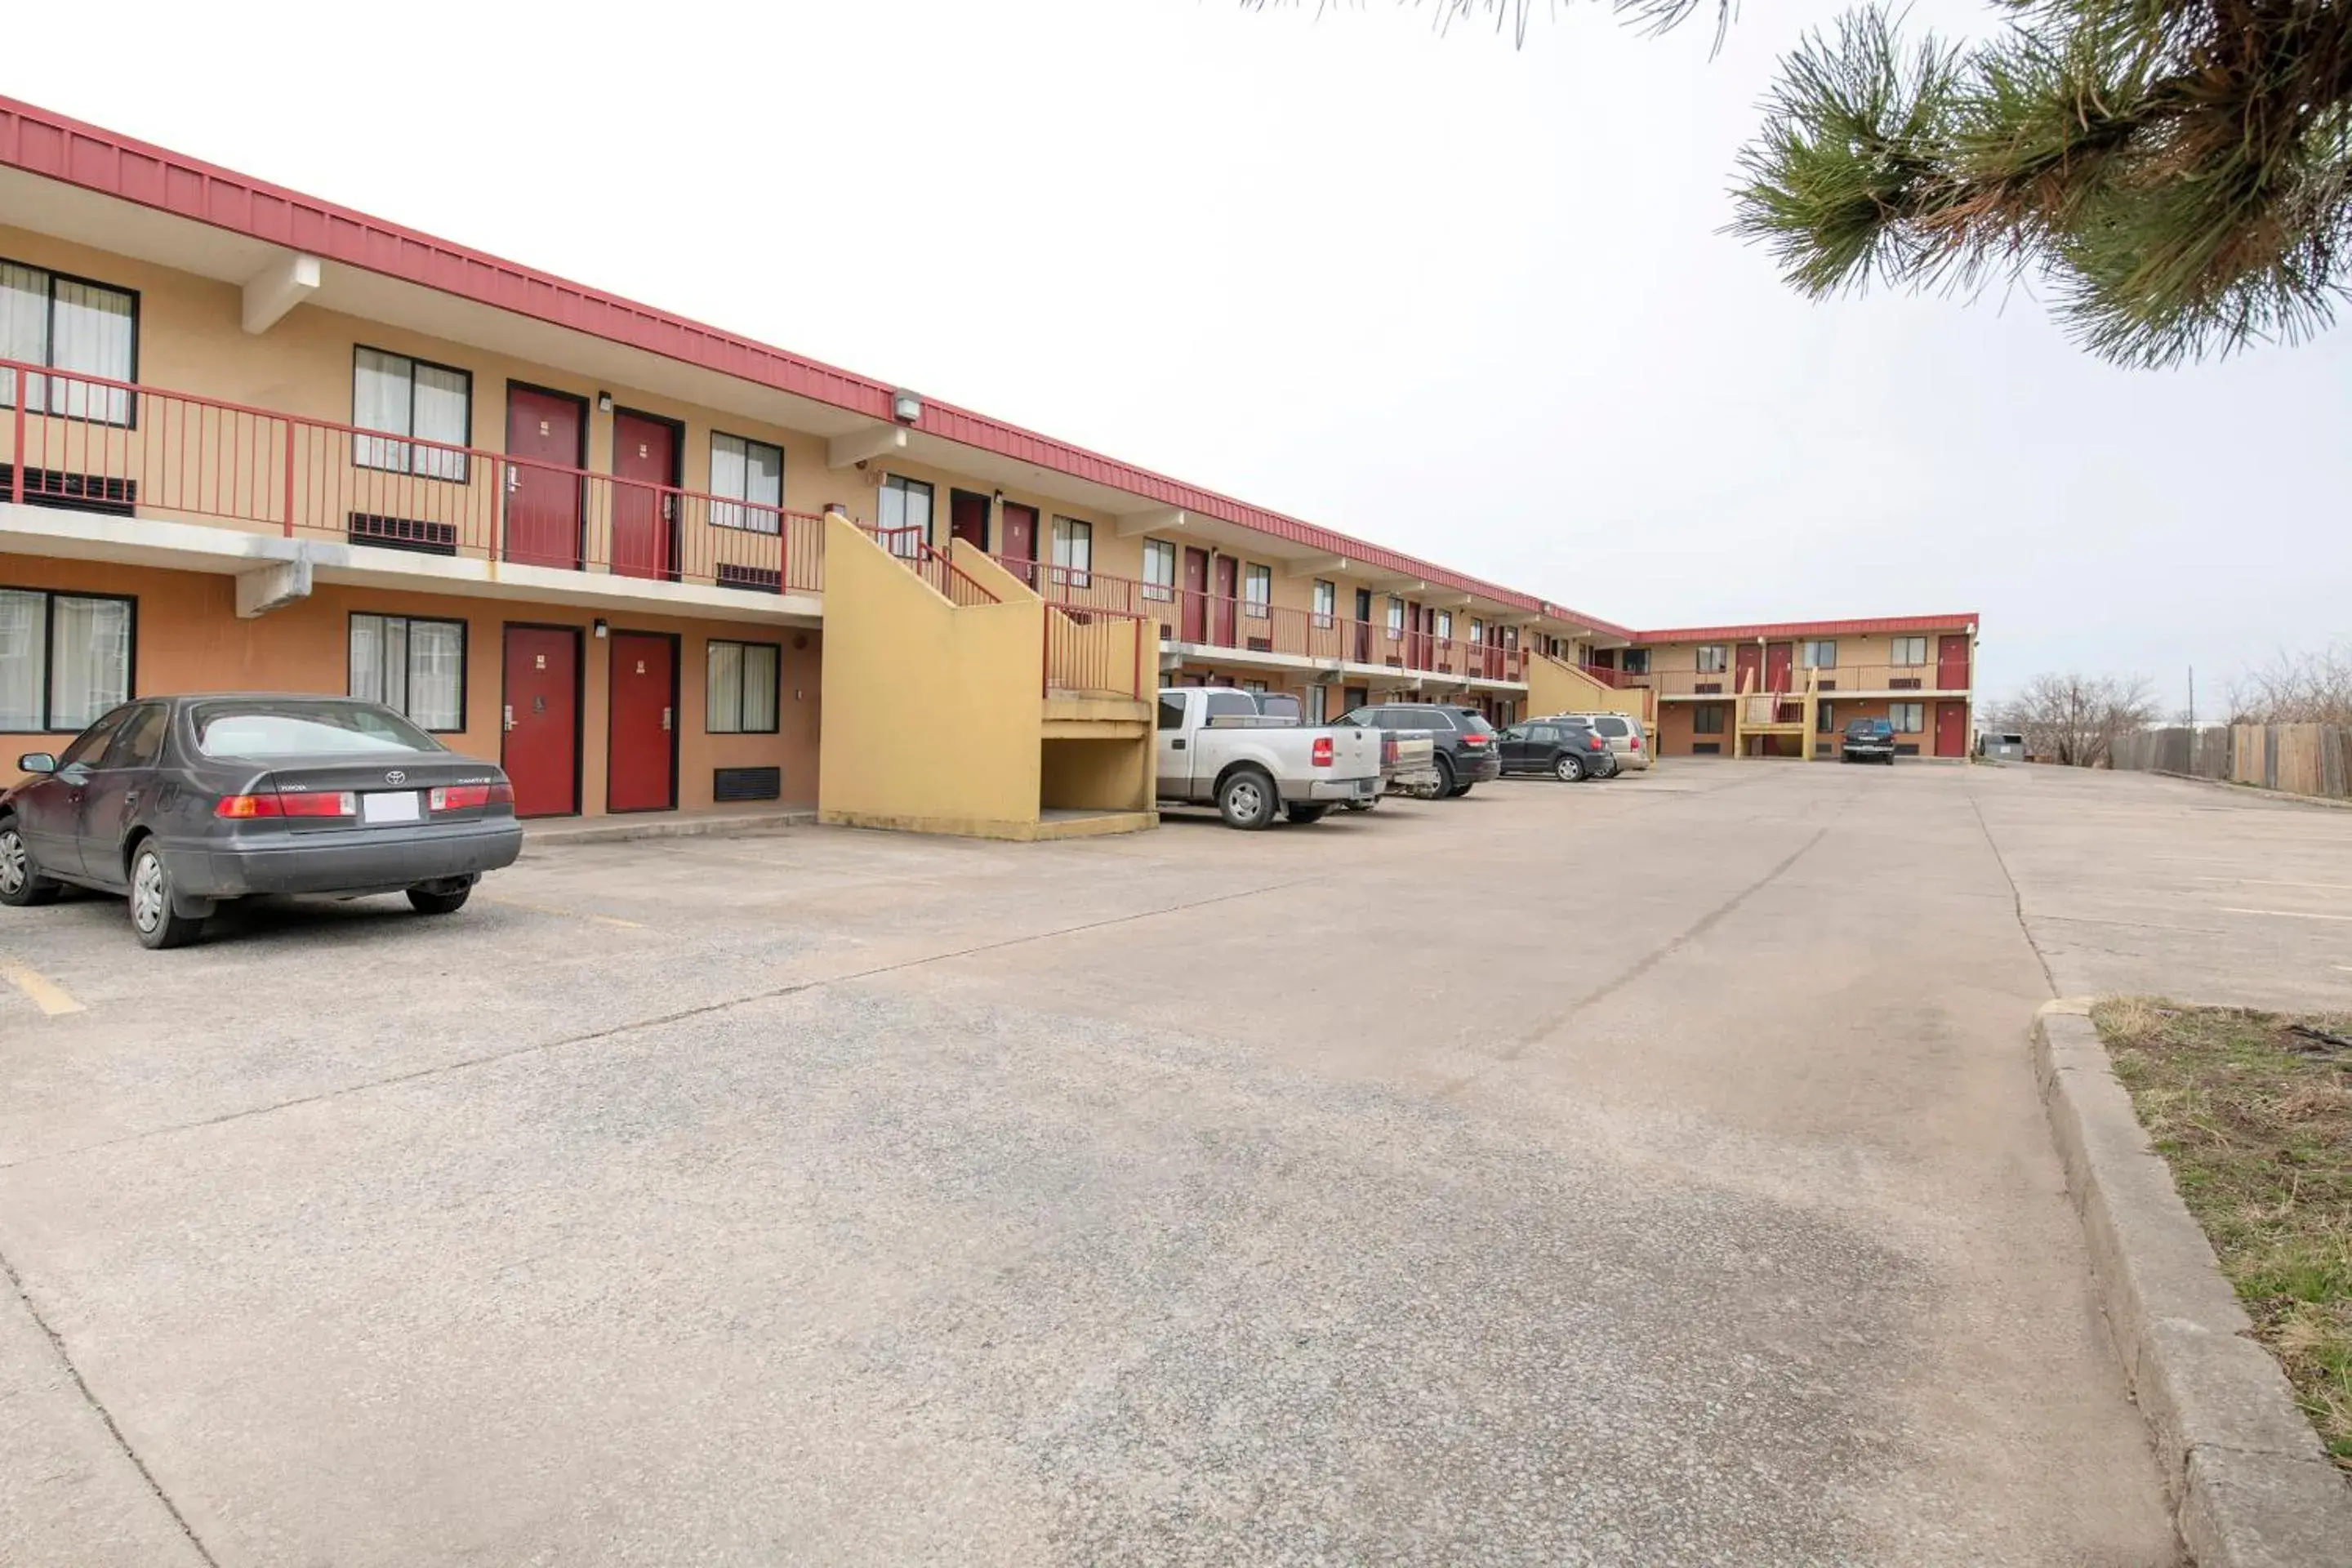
(2256, 1122)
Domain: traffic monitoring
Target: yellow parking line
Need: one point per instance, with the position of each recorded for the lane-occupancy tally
(43, 991)
(567, 914)
(2283, 914)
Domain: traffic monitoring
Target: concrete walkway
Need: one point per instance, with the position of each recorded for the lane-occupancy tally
(1640, 1172)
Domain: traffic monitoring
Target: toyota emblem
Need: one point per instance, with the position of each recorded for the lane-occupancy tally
(395, 777)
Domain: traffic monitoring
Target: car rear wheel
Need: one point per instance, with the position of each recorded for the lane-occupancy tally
(153, 917)
(20, 885)
(1247, 800)
(1445, 790)
(442, 897)
(1569, 768)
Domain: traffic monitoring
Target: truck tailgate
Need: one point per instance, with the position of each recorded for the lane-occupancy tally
(1355, 754)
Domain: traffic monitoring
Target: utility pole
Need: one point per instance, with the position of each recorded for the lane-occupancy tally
(2192, 697)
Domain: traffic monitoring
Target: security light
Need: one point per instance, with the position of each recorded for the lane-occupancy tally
(906, 407)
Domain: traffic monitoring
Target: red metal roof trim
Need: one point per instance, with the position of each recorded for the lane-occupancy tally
(41, 143)
(1887, 624)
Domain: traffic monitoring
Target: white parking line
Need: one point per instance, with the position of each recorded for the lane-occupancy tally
(2283, 914)
(2253, 883)
(43, 991)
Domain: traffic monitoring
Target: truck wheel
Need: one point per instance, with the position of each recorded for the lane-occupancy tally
(1247, 800)
(1304, 814)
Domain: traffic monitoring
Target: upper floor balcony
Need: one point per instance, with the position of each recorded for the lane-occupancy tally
(1218, 628)
(391, 504)
(1845, 680)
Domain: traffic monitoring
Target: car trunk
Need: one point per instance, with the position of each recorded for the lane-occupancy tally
(393, 787)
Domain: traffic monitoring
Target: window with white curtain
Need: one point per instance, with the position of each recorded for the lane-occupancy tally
(739, 693)
(1821, 655)
(414, 666)
(1446, 625)
(748, 479)
(905, 512)
(1073, 551)
(405, 396)
(1258, 590)
(1396, 617)
(1908, 718)
(68, 325)
(1159, 569)
(65, 658)
(1326, 605)
(1713, 657)
(1910, 651)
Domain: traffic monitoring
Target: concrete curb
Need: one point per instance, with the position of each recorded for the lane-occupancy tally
(2250, 1483)
(615, 830)
(2253, 792)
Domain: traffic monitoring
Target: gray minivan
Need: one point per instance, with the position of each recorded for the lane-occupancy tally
(1626, 736)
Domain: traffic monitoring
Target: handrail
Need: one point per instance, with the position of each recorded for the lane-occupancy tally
(136, 448)
(1212, 621)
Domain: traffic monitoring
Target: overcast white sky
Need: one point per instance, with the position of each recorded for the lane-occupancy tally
(1462, 299)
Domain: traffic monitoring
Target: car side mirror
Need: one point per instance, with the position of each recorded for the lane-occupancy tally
(37, 763)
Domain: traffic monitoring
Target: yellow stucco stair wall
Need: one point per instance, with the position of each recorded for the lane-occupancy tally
(933, 712)
(1554, 687)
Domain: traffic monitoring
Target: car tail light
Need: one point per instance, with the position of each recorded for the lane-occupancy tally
(1388, 751)
(1322, 752)
(1637, 740)
(1474, 740)
(331, 802)
(1595, 743)
(470, 797)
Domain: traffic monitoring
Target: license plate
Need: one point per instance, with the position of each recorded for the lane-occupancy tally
(389, 806)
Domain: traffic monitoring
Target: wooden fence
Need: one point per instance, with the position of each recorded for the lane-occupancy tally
(2301, 759)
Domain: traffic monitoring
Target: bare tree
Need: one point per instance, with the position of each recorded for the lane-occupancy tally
(2308, 687)
(2074, 719)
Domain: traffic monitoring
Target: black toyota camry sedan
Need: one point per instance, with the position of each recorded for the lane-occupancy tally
(183, 802)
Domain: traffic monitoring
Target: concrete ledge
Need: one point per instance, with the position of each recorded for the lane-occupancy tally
(667, 824)
(2250, 1483)
(1075, 825)
(2250, 792)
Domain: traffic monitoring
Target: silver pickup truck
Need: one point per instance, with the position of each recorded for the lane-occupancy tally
(1217, 749)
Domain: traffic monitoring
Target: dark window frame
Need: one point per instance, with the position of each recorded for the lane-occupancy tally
(464, 474)
(1707, 719)
(465, 662)
(130, 420)
(751, 508)
(49, 597)
(776, 691)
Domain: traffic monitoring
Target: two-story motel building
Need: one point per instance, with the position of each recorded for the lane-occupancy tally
(253, 440)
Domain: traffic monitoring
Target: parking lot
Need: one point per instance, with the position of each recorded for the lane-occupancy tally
(1639, 1172)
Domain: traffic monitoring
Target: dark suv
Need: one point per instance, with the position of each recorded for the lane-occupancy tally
(1465, 743)
(1868, 740)
(1569, 750)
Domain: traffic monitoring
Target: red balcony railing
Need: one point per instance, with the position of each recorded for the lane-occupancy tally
(1215, 621)
(1099, 653)
(98, 445)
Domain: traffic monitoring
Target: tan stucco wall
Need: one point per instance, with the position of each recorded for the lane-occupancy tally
(932, 712)
(189, 638)
(1557, 688)
(1097, 775)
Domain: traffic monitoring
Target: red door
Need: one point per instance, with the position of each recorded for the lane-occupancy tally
(968, 518)
(644, 496)
(1196, 595)
(543, 484)
(1019, 527)
(542, 751)
(1229, 572)
(1951, 664)
(641, 743)
(1747, 674)
(1778, 658)
(1951, 728)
